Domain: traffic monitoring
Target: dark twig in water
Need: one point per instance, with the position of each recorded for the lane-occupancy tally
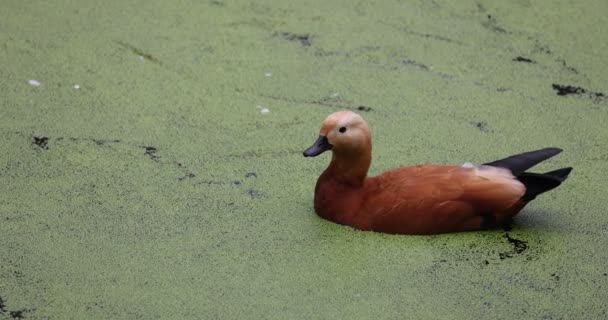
(138, 51)
(523, 59)
(565, 90)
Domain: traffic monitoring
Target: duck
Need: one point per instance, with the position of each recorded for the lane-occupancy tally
(421, 199)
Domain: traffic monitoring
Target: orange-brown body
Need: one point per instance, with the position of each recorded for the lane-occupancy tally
(422, 199)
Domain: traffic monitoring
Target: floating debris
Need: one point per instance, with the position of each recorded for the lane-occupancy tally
(523, 59)
(519, 246)
(262, 109)
(565, 90)
(42, 142)
(34, 83)
(268, 74)
(76, 86)
(304, 39)
(151, 152)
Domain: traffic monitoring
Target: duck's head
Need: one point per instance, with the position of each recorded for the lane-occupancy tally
(342, 132)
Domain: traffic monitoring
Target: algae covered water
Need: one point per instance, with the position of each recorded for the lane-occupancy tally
(152, 167)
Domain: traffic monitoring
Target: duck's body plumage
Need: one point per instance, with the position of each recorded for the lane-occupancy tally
(421, 199)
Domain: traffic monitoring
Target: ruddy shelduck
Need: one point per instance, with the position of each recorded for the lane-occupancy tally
(421, 199)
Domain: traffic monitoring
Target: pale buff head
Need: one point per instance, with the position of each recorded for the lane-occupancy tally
(343, 132)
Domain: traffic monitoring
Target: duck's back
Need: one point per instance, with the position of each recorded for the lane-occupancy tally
(435, 198)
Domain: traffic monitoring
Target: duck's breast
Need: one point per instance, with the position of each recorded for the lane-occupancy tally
(340, 203)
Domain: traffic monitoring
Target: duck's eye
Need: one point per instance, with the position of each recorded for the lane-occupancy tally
(342, 129)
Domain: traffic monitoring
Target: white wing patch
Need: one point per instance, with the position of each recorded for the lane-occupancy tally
(501, 178)
(468, 165)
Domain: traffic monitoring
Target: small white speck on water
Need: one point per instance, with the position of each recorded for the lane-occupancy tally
(34, 83)
(76, 86)
(268, 74)
(334, 95)
(141, 58)
(265, 110)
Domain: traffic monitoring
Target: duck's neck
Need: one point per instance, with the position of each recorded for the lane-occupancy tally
(349, 169)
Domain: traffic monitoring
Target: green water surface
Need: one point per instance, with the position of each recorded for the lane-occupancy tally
(141, 179)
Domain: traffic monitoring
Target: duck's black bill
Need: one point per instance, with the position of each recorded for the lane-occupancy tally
(320, 146)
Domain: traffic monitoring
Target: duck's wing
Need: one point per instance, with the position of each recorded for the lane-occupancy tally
(432, 199)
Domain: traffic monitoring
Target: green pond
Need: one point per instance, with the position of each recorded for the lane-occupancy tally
(151, 157)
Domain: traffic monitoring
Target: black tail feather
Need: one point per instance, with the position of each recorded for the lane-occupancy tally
(536, 183)
(560, 173)
(519, 163)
